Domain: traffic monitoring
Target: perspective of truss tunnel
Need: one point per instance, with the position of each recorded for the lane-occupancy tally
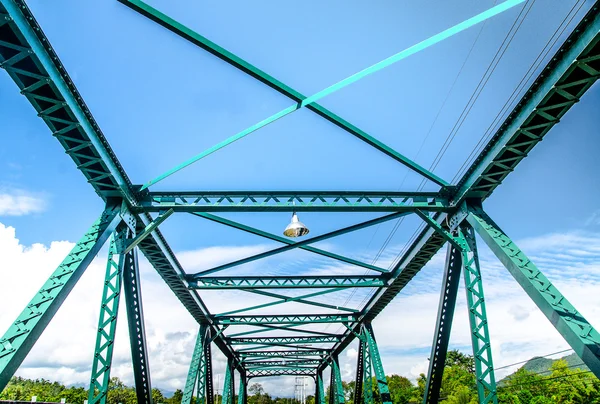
(292, 343)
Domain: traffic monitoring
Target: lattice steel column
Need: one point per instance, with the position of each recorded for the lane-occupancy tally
(574, 328)
(319, 389)
(338, 388)
(242, 393)
(382, 384)
(27, 328)
(227, 393)
(107, 322)
(208, 375)
(195, 365)
(367, 374)
(437, 359)
(480, 336)
(358, 384)
(137, 329)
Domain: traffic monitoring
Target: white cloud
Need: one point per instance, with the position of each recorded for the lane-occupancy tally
(14, 202)
(404, 330)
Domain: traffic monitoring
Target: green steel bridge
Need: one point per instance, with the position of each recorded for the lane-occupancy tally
(453, 215)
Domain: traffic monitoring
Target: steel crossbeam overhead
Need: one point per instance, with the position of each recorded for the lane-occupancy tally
(286, 319)
(305, 339)
(275, 354)
(451, 215)
(285, 201)
(286, 282)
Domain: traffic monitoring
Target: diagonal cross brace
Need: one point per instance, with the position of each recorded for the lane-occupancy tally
(339, 85)
(306, 242)
(284, 240)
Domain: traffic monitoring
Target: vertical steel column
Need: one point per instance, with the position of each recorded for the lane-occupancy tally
(202, 385)
(27, 328)
(360, 363)
(367, 374)
(330, 399)
(208, 377)
(319, 389)
(227, 399)
(107, 322)
(338, 390)
(480, 336)
(445, 315)
(242, 390)
(573, 327)
(137, 330)
(382, 384)
(195, 365)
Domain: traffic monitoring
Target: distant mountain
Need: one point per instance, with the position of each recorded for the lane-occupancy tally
(542, 365)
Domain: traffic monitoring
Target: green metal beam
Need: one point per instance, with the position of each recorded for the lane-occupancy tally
(107, 321)
(287, 327)
(292, 201)
(227, 390)
(29, 325)
(288, 372)
(338, 388)
(480, 335)
(443, 326)
(320, 389)
(375, 357)
(285, 319)
(195, 364)
(281, 354)
(271, 346)
(288, 362)
(574, 328)
(284, 240)
(287, 282)
(148, 230)
(298, 244)
(223, 54)
(304, 339)
(137, 328)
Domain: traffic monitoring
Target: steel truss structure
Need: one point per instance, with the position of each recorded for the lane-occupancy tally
(453, 215)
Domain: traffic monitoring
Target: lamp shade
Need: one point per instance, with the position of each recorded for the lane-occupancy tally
(296, 228)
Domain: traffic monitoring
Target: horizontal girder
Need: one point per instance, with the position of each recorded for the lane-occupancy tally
(283, 372)
(278, 354)
(285, 282)
(289, 201)
(286, 319)
(282, 362)
(306, 339)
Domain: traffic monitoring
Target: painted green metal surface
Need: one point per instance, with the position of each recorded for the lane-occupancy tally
(227, 383)
(275, 354)
(242, 391)
(195, 365)
(445, 316)
(286, 282)
(107, 322)
(345, 82)
(360, 371)
(276, 372)
(16, 343)
(375, 357)
(292, 201)
(338, 389)
(574, 328)
(285, 319)
(319, 389)
(480, 335)
(367, 373)
(137, 328)
(305, 339)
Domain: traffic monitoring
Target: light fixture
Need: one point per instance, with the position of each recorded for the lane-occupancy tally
(296, 228)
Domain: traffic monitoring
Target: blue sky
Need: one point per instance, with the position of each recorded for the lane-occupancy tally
(159, 100)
